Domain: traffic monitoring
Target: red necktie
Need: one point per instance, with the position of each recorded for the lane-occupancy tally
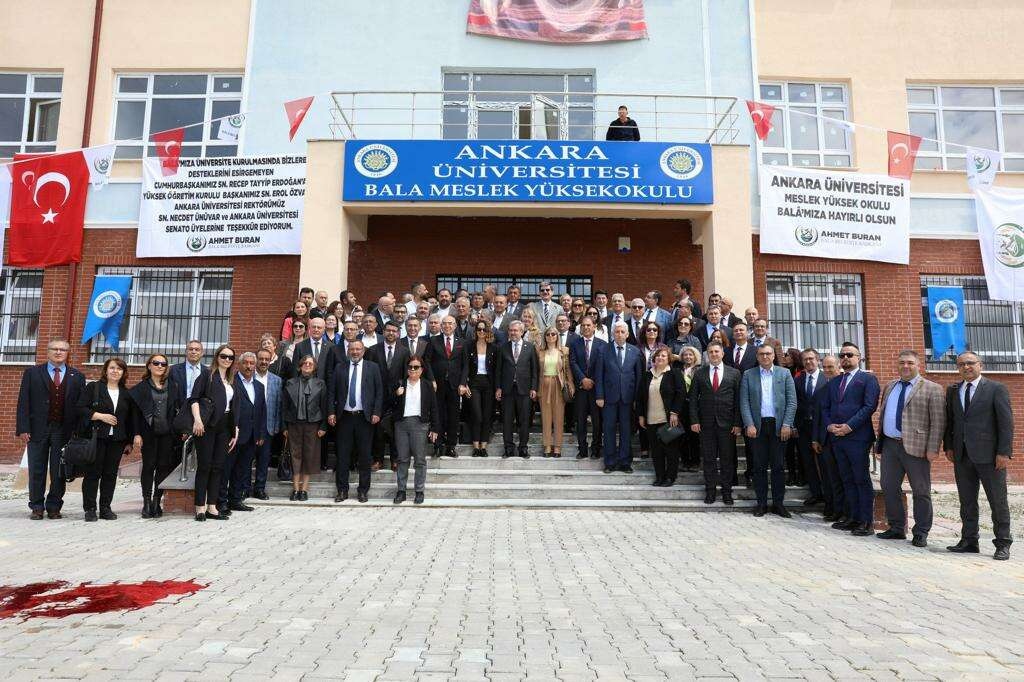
(56, 377)
(448, 345)
(714, 379)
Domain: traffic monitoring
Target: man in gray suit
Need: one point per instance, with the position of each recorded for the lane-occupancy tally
(978, 441)
(546, 309)
(768, 408)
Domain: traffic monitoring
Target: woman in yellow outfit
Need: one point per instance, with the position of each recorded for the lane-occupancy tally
(555, 377)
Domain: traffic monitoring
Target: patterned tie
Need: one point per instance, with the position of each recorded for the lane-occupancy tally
(387, 360)
(739, 354)
(900, 402)
(515, 352)
(316, 351)
(842, 386)
(714, 379)
(448, 345)
(56, 377)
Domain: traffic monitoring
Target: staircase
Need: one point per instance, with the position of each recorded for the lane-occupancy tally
(534, 483)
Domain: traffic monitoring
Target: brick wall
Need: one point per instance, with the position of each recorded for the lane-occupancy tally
(262, 291)
(892, 312)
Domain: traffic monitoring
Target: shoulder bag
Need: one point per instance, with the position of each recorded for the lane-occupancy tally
(183, 421)
(79, 452)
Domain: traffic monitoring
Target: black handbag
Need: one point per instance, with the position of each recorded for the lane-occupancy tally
(669, 434)
(80, 452)
(183, 421)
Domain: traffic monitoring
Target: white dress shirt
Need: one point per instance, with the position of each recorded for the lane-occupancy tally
(250, 388)
(974, 389)
(413, 399)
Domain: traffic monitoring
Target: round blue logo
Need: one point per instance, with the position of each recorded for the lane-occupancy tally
(946, 311)
(107, 304)
(376, 160)
(681, 162)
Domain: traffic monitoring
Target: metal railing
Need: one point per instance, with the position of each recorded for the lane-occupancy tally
(433, 115)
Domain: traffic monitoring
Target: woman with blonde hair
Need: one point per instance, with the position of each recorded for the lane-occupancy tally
(556, 388)
(531, 332)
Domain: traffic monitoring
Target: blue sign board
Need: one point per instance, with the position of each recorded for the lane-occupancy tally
(528, 170)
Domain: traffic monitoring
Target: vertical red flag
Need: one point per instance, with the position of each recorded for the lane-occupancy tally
(296, 111)
(761, 116)
(168, 149)
(47, 209)
(902, 152)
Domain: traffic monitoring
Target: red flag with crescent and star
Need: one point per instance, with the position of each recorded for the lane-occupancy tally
(48, 197)
(761, 116)
(902, 152)
(296, 111)
(168, 149)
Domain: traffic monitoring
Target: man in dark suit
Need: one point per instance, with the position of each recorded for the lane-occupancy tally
(385, 311)
(979, 442)
(586, 354)
(635, 322)
(846, 411)
(729, 318)
(446, 359)
(251, 421)
(836, 506)
(565, 335)
(355, 407)
(616, 312)
(325, 353)
(715, 415)
(186, 373)
(714, 321)
(413, 341)
(46, 419)
(502, 318)
(681, 291)
(808, 385)
(518, 379)
(617, 381)
(463, 327)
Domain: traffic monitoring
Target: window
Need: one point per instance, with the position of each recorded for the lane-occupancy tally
(21, 293)
(577, 285)
(168, 307)
(988, 117)
(149, 103)
(816, 311)
(803, 135)
(29, 112)
(995, 329)
(525, 106)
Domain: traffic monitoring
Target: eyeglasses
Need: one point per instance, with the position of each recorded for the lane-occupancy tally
(298, 326)
(637, 307)
(652, 329)
(577, 305)
(542, 289)
(159, 363)
(481, 330)
(225, 356)
(551, 334)
(847, 355)
(415, 366)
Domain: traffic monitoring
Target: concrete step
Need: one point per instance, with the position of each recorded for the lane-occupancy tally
(495, 476)
(433, 502)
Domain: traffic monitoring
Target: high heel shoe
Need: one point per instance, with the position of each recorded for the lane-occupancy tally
(200, 516)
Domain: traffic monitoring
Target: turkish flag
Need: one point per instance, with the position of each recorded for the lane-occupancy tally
(902, 152)
(168, 149)
(296, 111)
(761, 116)
(47, 209)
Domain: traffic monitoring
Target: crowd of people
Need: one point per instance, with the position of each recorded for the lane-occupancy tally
(414, 375)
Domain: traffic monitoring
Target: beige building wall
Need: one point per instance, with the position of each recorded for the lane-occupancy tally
(877, 47)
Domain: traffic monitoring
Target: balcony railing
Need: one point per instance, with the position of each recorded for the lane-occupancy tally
(529, 115)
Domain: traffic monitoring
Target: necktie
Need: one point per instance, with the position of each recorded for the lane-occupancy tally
(809, 389)
(515, 352)
(316, 351)
(842, 385)
(739, 354)
(545, 311)
(967, 397)
(352, 384)
(448, 345)
(387, 360)
(588, 352)
(714, 379)
(412, 346)
(899, 405)
(56, 377)
(757, 342)
(622, 355)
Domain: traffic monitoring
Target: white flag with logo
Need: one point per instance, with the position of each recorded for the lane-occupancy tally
(230, 128)
(1000, 214)
(982, 165)
(100, 161)
(5, 203)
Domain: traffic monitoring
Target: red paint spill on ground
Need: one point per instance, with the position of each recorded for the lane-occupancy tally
(52, 600)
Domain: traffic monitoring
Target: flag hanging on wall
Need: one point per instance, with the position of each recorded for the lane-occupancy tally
(296, 110)
(982, 165)
(946, 320)
(558, 21)
(230, 128)
(107, 307)
(168, 149)
(48, 209)
(1000, 215)
(902, 152)
(761, 116)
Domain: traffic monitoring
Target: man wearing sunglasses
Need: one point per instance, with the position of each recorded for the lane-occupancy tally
(846, 413)
(545, 310)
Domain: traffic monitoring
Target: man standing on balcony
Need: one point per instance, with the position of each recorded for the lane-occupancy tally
(623, 129)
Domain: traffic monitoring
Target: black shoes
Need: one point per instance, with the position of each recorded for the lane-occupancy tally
(581, 455)
(294, 497)
(238, 506)
(361, 496)
(107, 514)
(524, 453)
(156, 510)
(892, 534)
(726, 497)
(200, 516)
(53, 515)
(261, 495)
(813, 500)
(450, 452)
(759, 510)
(1002, 554)
(217, 517)
(508, 453)
(479, 452)
(418, 499)
(90, 515)
(657, 483)
(843, 523)
(626, 469)
(709, 496)
(146, 508)
(400, 495)
(964, 547)
(341, 496)
(304, 495)
(609, 470)
(920, 541)
(779, 510)
(37, 515)
(862, 530)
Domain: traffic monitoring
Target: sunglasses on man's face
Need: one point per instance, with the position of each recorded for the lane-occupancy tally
(847, 355)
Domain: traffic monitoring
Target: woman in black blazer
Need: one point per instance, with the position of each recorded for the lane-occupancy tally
(658, 408)
(480, 366)
(156, 401)
(414, 427)
(215, 439)
(104, 406)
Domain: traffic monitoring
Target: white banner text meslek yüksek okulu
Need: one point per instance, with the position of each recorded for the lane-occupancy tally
(223, 206)
(829, 214)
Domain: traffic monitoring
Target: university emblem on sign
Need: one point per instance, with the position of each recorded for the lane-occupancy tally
(236, 120)
(376, 160)
(681, 162)
(947, 311)
(1009, 245)
(196, 243)
(107, 304)
(806, 236)
(101, 164)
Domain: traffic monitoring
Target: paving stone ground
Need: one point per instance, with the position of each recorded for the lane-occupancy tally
(436, 594)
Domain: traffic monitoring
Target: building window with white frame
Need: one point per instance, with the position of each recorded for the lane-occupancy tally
(167, 308)
(150, 103)
(21, 294)
(987, 117)
(29, 112)
(994, 329)
(804, 133)
(820, 311)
